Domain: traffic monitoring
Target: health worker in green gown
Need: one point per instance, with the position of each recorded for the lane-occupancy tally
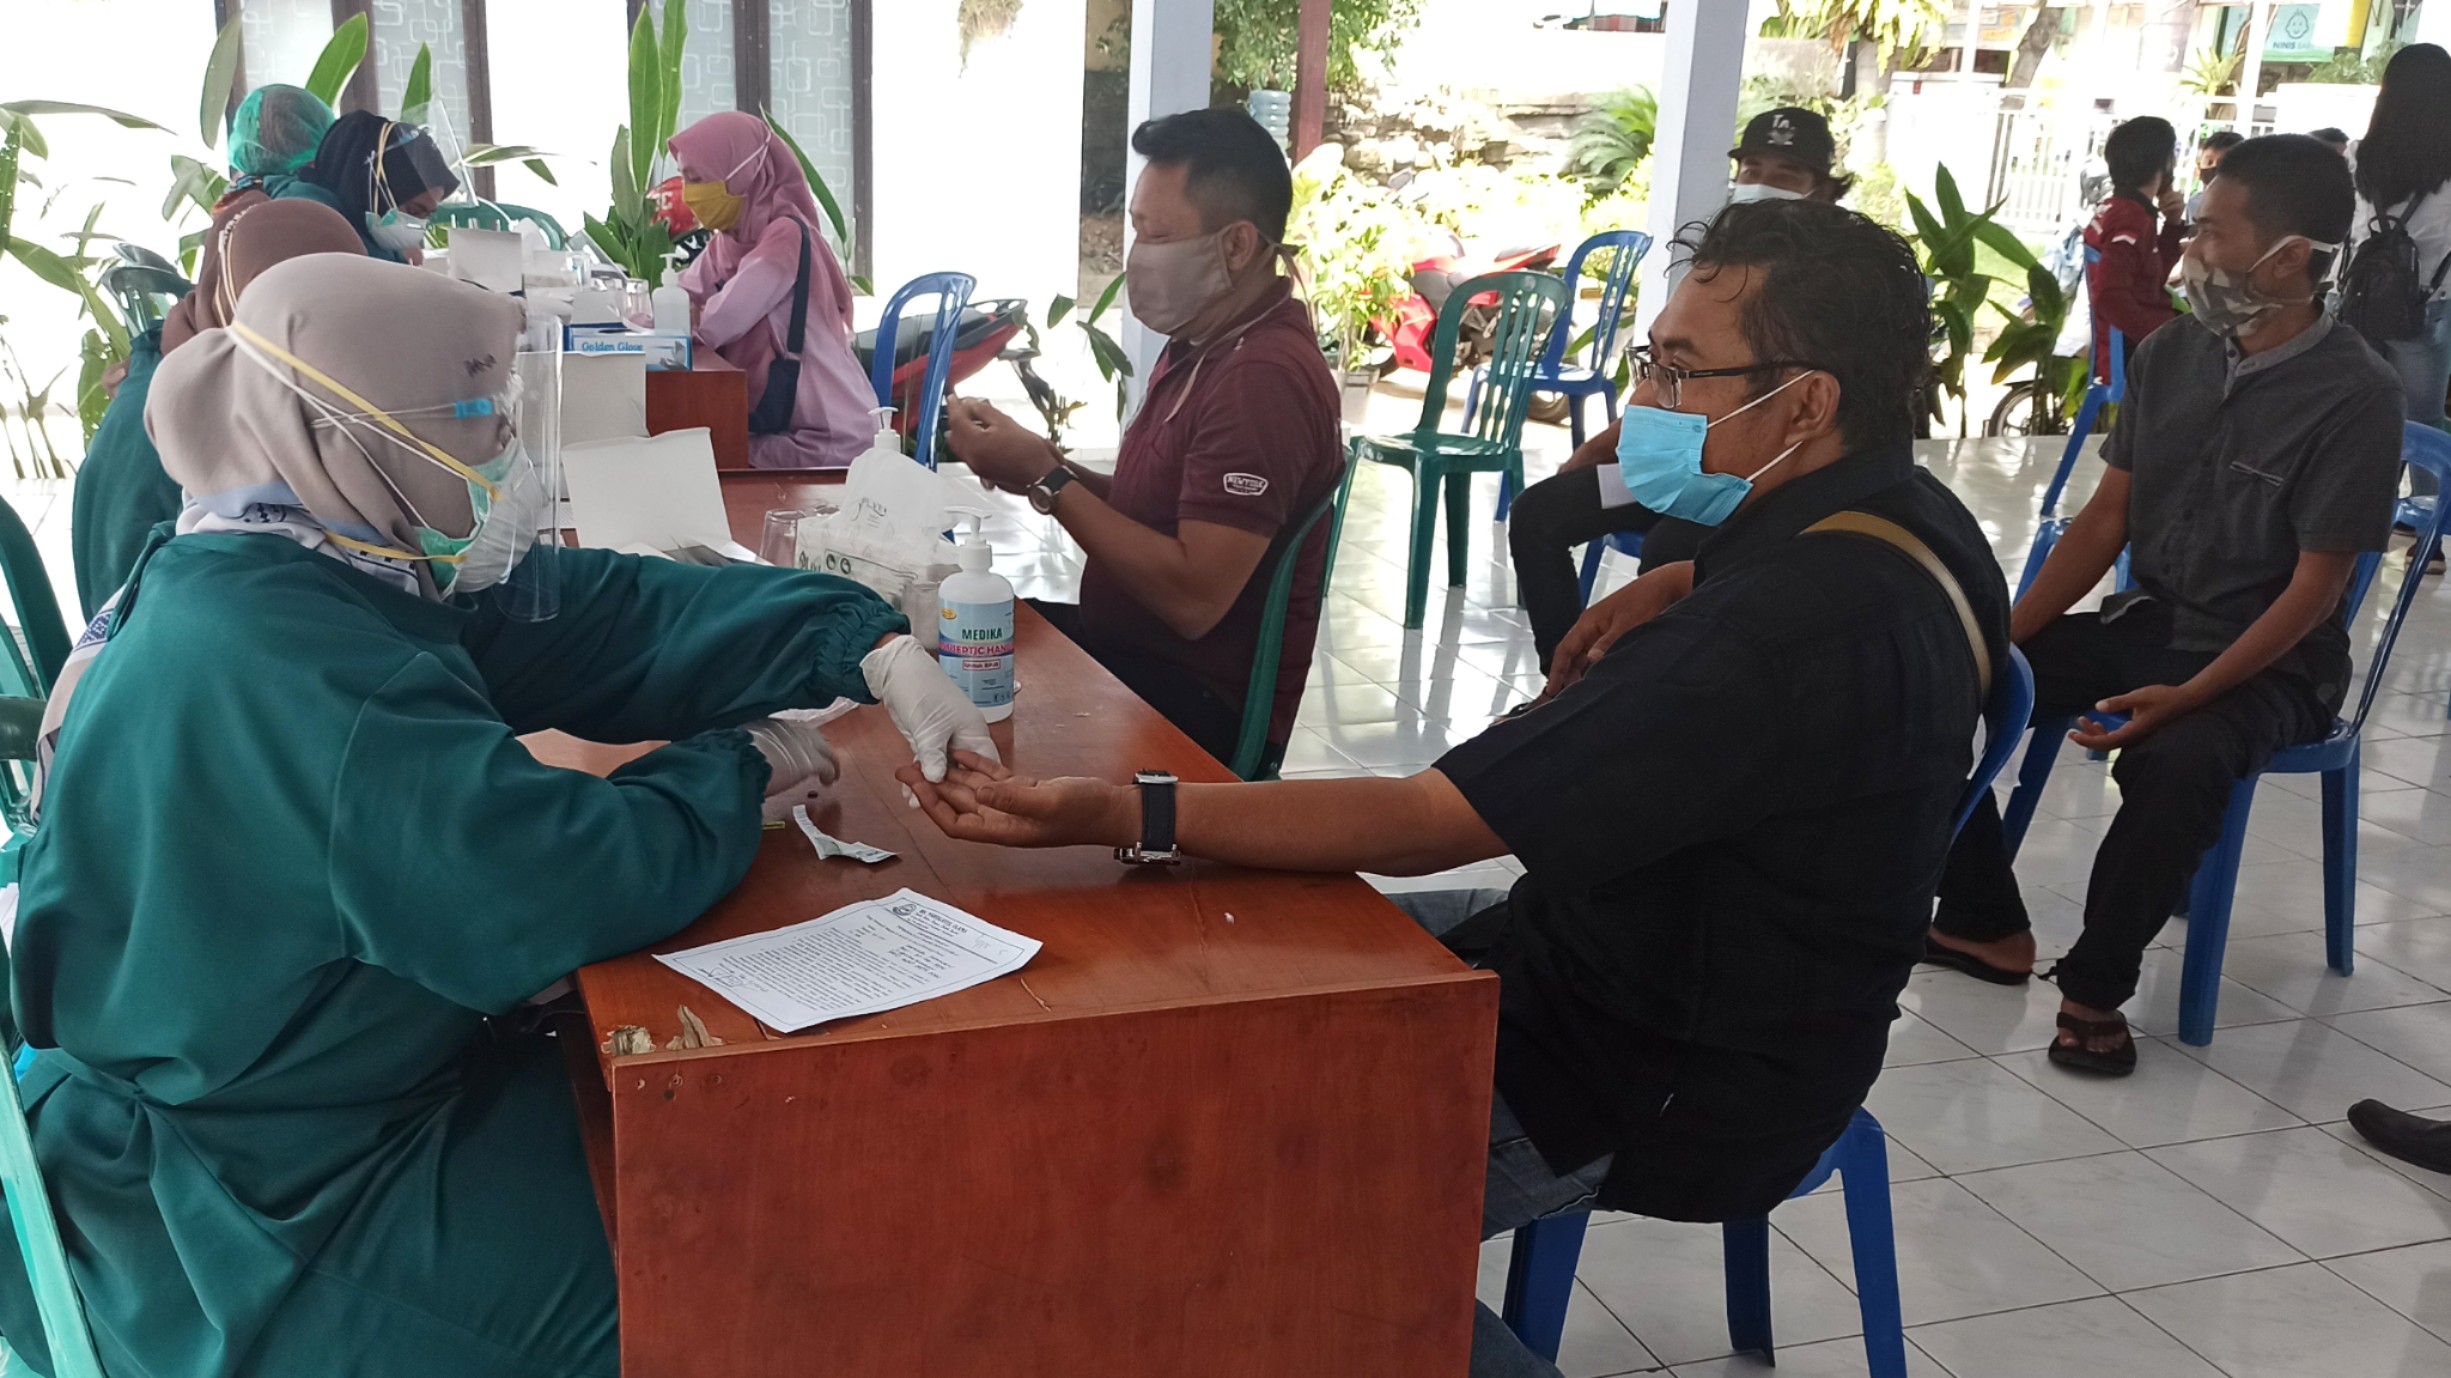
(121, 492)
(384, 177)
(293, 875)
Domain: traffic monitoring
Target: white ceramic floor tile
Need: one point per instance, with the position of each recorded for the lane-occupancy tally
(1913, 1041)
(2437, 1182)
(1668, 1282)
(2419, 1035)
(2127, 1221)
(1967, 1116)
(2415, 1281)
(2290, 969)
(2170, 1098)
(1987, 1018)
(2102, 1336)
(2420, 947)
(2319, 1195)
(1828, 1359)
(1956, 1256)
(1594, 1344)
(2300, 1322)
(2154, 1009)
(2314, 1071)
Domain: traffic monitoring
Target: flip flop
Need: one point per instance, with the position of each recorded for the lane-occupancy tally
(2116, 1063)
(1936, 954)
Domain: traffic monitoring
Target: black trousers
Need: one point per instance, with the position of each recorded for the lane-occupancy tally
(1551, 518)
(1176, 693)
(2174, 788)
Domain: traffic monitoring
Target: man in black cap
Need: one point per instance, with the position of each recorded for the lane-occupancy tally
(1785, 155)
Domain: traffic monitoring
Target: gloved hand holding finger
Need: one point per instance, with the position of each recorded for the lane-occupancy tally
(802, 759)
(932, 713)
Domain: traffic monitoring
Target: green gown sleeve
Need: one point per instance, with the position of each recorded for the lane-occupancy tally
(461, 863)
(647, 649)
(121, 492)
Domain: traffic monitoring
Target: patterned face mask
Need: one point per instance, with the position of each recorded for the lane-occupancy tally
(2227, 302)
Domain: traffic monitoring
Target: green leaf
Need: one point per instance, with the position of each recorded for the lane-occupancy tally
(674, 37)
(1927, 230)
(625, 185)
(339, 61)
(21, 128)
(48, 266)
(68, 107)
(1106, 300)
(1944, 188)
(11, 144)
(419, 93)
(484, 155)
(816, 183)
(193, 181)
(1057, 310)
(543, 173)
(2004, 242)
(220, 71)
(646, 100)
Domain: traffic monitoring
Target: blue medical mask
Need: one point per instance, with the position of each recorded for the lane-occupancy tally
(1659, 456)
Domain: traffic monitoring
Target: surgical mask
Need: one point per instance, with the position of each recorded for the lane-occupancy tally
(1171, 284)
(2227, 302)
(1659, 455)
(397, 232)
(509, 507)
(714, 204)
(1746, 193)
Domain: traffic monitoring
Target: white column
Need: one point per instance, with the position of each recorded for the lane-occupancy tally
(1974, 37)
(1697, 125)
(1172, 46)
(2251, 68)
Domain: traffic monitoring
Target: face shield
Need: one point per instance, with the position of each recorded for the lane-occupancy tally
(532, 591)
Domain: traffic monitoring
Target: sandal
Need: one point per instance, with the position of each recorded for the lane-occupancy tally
(2116, 1063)
(1941, 955)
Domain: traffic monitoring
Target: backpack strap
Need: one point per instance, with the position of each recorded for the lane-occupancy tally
(1910, 545)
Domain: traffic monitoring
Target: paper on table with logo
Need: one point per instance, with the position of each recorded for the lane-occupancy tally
(830, 847)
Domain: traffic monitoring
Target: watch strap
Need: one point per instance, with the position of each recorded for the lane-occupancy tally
(1156, 820)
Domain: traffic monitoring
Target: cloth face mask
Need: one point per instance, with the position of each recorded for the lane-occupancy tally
(2227, 302)
(1659, 456)
(1171, 283)
(715, 204)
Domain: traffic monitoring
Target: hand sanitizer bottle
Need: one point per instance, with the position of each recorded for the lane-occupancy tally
(975, 628)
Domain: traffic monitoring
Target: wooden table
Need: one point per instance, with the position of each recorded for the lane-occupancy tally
(1226, 1123)
(712, 394)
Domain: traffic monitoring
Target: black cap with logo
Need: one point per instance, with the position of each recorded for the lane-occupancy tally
(1790, 132)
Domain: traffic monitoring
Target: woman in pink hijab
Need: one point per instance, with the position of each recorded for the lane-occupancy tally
(743, 183)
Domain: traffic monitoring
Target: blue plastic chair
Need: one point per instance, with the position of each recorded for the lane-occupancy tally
(952, 293)
(1540, 1276)
(1629, 543)
(2097, 395)
(2335, 758)
(1589, 373)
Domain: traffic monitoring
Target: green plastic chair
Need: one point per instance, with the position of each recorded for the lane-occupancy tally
(30, 662)
(1492, 442)
(145, 294)
(1256, 757)
(38, 1243)
(498, 215)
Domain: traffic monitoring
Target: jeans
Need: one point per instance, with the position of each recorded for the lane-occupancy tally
(1176, 693)
(2424, 366)
(1548, 521)
(1521, 1187)
(2174, 791)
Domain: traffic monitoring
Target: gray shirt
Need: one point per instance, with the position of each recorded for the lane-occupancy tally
(2239, 463)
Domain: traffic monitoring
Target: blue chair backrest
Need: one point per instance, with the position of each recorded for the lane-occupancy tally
(2004, 723)
(1629, 247)
(2096, 395)
(952, 293)
(2423, 447)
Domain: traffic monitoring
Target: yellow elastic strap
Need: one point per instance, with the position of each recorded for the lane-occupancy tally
(390, 552)
(386, 419)
(1906, 543)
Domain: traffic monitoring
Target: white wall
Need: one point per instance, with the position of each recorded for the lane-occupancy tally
(978, 171)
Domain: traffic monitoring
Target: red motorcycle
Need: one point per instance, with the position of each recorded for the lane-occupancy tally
(1414, 326)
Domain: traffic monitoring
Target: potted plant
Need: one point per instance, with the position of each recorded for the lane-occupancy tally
(1353, 256)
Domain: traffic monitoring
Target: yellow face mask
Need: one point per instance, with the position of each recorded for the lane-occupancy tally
(713, 203)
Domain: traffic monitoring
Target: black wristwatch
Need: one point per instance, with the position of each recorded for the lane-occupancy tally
(1156, 821)
(1042, 494)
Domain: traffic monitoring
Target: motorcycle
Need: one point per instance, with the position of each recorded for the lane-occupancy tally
(1413, 327)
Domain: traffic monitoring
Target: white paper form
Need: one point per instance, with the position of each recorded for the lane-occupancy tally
(863, 958)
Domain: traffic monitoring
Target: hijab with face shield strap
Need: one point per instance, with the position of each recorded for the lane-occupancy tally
(232, 417)
(248, 237)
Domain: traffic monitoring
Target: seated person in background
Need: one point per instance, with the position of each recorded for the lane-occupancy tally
(2208, 157)
(383, 177)
(121, 492)
(1235, 440)
(2128, 260)
(1786, 154)
(2257, 454)
(1732, 824)
(275, 132)
(743, 183)
(2332, 137)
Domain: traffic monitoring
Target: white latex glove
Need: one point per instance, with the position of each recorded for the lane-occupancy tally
(803, 762)
(934, 716)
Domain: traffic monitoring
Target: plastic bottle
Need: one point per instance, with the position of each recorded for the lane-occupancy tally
(671, 309)
(975, 627)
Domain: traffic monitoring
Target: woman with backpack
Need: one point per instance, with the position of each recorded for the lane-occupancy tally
(2397, 290)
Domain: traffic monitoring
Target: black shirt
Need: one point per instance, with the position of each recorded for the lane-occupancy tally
(2239, 462)
(1731, 829)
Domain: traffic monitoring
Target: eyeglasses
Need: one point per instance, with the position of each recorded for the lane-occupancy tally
(1668, 381)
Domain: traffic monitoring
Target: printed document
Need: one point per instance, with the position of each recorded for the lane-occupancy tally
(863, 958)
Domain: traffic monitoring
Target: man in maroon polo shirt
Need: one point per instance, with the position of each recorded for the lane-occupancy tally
(1236, 440)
